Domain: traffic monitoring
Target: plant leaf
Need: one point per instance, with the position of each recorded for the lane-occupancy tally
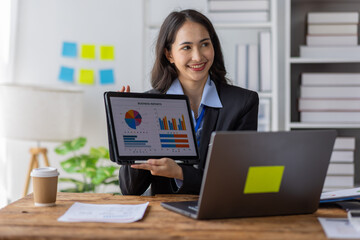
(70, 180)
(79, 164)
(79, 186)
(100, 152)
(114, 182)
(64, 148)
(72, 165)
(72, 190)
(103, 173)
(88, 188)
(87, 162)
(77, 143)
(90, 172)
(70, 146)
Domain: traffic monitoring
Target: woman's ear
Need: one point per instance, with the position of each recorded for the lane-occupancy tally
(169, 56)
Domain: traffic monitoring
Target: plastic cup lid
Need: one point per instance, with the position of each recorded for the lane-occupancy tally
(44, 172)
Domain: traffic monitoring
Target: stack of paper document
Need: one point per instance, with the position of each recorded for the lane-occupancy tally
(340, 195)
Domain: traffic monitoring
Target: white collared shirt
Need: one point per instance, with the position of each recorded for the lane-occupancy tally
(209, 98)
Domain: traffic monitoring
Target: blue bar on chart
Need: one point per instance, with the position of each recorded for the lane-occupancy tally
(174, 141)
(130, 141)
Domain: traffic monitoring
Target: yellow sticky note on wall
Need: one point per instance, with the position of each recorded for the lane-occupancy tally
(87, 76)
(107, 53)
(88, 51)
(264, 179)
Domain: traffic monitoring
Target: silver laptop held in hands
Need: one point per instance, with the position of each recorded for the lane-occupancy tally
(250, 174)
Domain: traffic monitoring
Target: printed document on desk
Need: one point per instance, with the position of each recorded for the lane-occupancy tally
(339, 228)
(114, 213)
(340, 195)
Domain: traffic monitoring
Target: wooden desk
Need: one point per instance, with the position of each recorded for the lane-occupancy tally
(22, 220)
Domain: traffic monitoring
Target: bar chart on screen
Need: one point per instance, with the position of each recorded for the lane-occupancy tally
(172, 124)
(174, 141)
(135, 144)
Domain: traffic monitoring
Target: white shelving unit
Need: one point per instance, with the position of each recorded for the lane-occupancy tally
(295, 32)
(230, 35)
(295, 60)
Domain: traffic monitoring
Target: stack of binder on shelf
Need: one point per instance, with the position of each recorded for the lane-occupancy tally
(238, 11)
(340, 173)
(253, 64)
(332, 35)
(330, 98)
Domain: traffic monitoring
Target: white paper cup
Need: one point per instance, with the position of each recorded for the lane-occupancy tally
(45, 186)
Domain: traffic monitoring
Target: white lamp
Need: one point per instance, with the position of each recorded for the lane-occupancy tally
(37, 113)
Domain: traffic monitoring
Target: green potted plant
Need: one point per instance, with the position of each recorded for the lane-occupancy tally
(89, 166)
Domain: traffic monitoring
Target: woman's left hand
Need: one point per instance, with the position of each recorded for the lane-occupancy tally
(165, 167)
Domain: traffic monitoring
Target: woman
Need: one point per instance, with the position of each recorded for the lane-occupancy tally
(189, 61)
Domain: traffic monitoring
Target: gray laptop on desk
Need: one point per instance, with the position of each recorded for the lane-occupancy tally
(250, 174)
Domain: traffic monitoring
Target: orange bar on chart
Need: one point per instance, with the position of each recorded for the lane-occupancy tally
(166, 124)
(182, 145)
(183, 123)
(174, 123)
(180, 135)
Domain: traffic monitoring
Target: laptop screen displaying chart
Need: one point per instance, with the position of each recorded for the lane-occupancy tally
(152, 127)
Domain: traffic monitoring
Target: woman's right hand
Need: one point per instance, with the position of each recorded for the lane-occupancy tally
(125, 89)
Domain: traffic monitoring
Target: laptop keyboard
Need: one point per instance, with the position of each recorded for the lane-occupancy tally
(194, 208)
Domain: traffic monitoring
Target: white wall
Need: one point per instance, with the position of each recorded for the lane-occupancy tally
(42, 27)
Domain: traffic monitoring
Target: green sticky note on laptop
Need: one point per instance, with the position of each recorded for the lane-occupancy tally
(263, 179)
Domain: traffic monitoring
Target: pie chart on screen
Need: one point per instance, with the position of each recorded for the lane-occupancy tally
(132, 119)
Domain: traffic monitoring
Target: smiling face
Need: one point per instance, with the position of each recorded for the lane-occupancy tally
(192, 53)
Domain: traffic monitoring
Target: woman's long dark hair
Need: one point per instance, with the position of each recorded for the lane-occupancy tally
(163, 72)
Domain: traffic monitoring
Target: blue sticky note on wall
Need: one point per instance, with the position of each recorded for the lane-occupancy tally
(107, 76)
(66, 74)
(69, 49)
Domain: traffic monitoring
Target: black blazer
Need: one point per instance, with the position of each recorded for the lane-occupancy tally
(239, 112)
